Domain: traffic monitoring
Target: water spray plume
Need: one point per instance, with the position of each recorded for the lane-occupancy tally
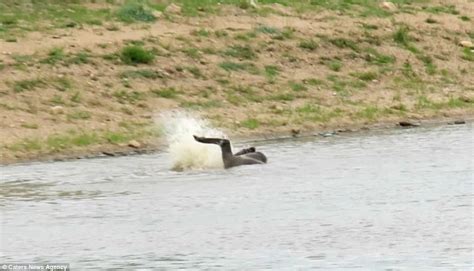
(179, 128)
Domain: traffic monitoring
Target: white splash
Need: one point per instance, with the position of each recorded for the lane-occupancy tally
(179, 128)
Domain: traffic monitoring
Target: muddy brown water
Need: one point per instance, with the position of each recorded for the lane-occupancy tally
(393, 200)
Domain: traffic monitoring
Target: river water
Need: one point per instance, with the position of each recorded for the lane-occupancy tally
(391, 200)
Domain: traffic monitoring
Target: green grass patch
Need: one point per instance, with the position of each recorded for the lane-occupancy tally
(27, 85)
(201, 32)
(79, 115)
(271, 72)
(308, 44)
(344, 86)
(57, 100)
(241, 52)
(430, 66)
(55, 55)
(250, 123)
(334, 65)
(27, 145)
(314, 82)
(282, 96)
(135, 54)
(196, 72)
(19, 17)
(401, 36)
(467, 54)
(243, 66)
(365, 76)
(76, 139)
(246, 92)
(76, 97)
(134, 11)
(449, 9)
(316, 113)
(61, 83)
(79, 58)
(369, 113)
(344, 43)
(267, 30)
(374, 57)
(297, 86)
(423, 102)
(168, 93)
(193, 53)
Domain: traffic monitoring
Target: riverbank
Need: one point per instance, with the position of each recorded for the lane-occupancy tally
(159, 146)
(90, 80)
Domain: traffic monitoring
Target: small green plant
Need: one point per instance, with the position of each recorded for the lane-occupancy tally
(407, 70)
(401, 36)
(135, 12)
(449, 9)
(314, 82)
(267, 29)
(79, 115)
(369, 112)
(57, 100)
(79, 58)
(430, 66)
(365, 76)
(250, 123)
(233, 66)
(221, 33)
(374, 57)
(335, 65)
(135, 54)
(468, 54)
(26, 145)
(117, 137)
(193, 53)
(297, 86)
(283, 96)
(286, 34)
(309, 45)
(62, 83)
(55, 55)
(308, 108)
(27, 84)
(345, 43)
(465, 18)
(271, 72)
(168, 93)
(76, 97)
(241, 52)
(201, 32)
(195, 71)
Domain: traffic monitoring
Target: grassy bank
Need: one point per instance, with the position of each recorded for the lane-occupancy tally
(90, 75)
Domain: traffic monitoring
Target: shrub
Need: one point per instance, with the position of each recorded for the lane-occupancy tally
(136, 55)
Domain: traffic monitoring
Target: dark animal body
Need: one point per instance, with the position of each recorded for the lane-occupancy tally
(247, 156)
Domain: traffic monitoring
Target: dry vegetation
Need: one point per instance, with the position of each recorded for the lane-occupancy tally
(90, 75)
